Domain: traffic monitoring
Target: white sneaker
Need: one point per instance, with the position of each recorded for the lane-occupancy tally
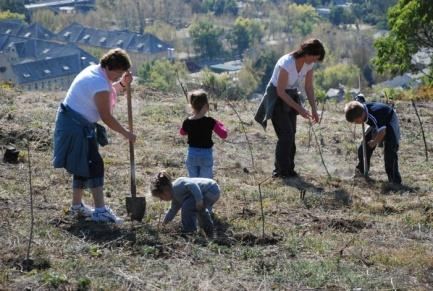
(106, 216)
(82, 211)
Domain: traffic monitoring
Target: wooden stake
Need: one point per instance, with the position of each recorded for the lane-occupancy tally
(364, 151)
(422, 130)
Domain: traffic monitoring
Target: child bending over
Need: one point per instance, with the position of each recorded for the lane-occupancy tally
(384, 126)
(195, 196)
(199, 129)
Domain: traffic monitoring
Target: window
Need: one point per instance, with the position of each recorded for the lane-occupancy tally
(46, 50)
(65, 68)
(8, 31)
(140, 45)
(26, 75)
(119, 42)
(46, 71)
(67, 34)
(86, 37)
(103, 39)
(28, 34)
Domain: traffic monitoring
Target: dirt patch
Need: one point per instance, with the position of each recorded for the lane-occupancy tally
(340, 224)
(347, 225)
(101, 233)
(250, 239)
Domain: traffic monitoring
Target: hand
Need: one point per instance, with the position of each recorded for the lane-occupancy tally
(315, 117)
(372, 143)
(130, 136)
(199, 205)
(126, 78)
(304, 113)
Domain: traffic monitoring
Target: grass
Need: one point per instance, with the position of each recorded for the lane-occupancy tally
(345, 233)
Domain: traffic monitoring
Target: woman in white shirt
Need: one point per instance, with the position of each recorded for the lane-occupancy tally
(90, 98)
(281, 101)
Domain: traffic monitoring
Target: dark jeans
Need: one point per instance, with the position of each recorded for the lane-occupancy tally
(284, 122)
(96, 169)
(390, 153)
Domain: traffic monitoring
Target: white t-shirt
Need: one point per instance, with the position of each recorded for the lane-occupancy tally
(287, 62)
(87, 83)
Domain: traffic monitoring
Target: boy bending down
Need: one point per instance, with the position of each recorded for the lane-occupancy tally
(384, 127)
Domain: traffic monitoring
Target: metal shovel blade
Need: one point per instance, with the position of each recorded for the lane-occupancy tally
(136, 207)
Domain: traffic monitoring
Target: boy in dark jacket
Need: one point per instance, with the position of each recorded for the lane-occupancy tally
(384, 126)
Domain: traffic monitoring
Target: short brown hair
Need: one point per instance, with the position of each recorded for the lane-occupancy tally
(198, 99)
(312, 47)
(116, 59)
(353, 110)
(159, 182)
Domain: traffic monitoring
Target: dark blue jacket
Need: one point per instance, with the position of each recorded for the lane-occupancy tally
(379, 114)
(71, 146)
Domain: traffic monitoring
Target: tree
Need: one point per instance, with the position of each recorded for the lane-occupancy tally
(245, 33)
(331, 77)
(301, 19)
(340, 15)
(264, 66)
(161, 74)
(205, 37)
(16, 6)
(4, 15)
(410, 23)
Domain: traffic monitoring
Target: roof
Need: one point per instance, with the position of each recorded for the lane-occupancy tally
(47, 69)
(16, 27)
(129, 41)
(231, 66)
(42, 60)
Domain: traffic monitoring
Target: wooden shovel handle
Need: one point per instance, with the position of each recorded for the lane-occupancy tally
(131, 144)
(364, 151)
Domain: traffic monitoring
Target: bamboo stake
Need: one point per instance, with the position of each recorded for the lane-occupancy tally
(422, 130)
(31, 206)
(320, 151)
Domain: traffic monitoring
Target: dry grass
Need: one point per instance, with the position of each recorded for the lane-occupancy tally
(344, 234)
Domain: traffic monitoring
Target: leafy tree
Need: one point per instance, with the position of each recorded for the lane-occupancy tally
(4, 15)
(245, 33)
(340, 15)
(264, 66)
(332, 76)
(301, 19)
(161, 74)
(205, 37)
(410, 23)
(372, 12)
(16, 6)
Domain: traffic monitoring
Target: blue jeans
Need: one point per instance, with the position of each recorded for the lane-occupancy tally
(190, 213)
(199, 162)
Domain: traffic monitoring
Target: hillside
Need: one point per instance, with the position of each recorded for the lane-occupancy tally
(334, 233)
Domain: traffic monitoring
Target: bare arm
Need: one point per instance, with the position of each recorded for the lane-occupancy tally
(102, 101)
(283, 79)
(309, 89)
(125, 80)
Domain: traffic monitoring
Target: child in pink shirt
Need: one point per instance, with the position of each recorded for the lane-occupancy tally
(199, 128)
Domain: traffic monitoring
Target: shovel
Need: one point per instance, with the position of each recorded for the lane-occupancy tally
(364, 151)
(135, 206)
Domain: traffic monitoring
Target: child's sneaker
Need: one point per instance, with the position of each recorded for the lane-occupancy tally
(106, 216)
(81, 211)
